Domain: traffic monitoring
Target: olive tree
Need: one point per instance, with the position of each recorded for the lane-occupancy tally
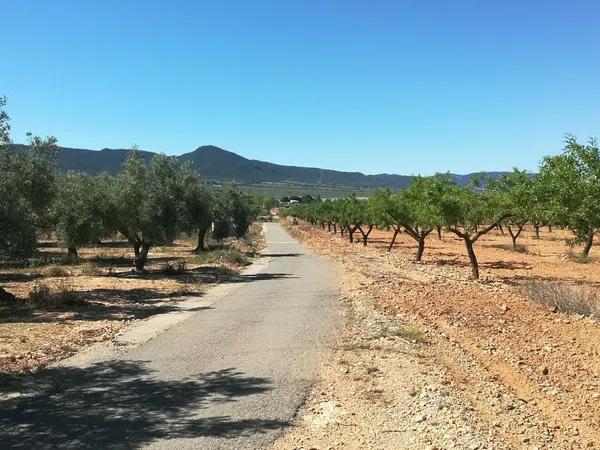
(234, 212)
(26, 178)
(75, 210)
(198, 205)
(572, 183)
(17, 230)
(144, 203)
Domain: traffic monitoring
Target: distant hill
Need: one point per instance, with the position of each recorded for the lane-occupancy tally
(215, 164)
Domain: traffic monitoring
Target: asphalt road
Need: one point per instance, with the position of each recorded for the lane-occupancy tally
(231, 375)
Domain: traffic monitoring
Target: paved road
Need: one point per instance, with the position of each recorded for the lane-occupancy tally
(229, 376)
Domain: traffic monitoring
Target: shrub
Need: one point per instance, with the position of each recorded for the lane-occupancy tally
(40, 295)
(174, 268)
(69, 259)
(566, 298)
(62, 295)
(91, 270)
(224, 256)
(55, 271)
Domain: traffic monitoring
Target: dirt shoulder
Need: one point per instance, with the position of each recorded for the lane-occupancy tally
(432, 359)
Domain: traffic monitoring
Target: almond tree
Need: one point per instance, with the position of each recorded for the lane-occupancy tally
(389, 212)
(572, 183)
(517, 190)
(356, 216)
(470, 214)
(416, 210)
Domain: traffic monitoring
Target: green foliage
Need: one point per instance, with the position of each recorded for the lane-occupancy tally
(426, 204)
(223, 256)
(518, 193)
(75, 210)
(234, 212)
(144, 202)
(571, 183)
(465, 209)
(417, 209)
(26, 179)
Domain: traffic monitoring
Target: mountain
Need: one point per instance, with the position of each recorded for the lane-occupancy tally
(215, 164)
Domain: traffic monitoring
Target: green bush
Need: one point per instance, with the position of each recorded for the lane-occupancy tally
(224, 256)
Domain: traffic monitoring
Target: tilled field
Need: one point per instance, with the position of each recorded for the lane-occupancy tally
(433, 359)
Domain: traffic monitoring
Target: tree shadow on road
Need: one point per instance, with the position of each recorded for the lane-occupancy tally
(281, 255)
(120, 404)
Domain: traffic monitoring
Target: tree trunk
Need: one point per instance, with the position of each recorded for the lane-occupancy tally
(501, 229)
(472, 258)
(513, 236)
(439, 232)
(335, 228)
(201, 238)
(323, 225)
(342, 231)
(588, 244)
(72, 252)
(329, 226)
(141, 257)
(6, 297)
(351, 234)
(365, 236)
(396, 231)
(549, 228)
(420, 248)
(136, 248)
(537, 230)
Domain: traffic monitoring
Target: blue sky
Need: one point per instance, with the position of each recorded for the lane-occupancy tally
(380, 86)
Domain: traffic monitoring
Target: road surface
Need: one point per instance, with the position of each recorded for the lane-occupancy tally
(231, 375)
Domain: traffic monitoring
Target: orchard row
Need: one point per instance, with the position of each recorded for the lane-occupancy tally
(564, 193)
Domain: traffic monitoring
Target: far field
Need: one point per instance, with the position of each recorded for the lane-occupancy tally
(279, 190)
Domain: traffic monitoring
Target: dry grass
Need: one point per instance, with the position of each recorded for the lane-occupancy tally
(566, 298)
(55, 271)
(91, 270)
(173, 267)
(61, 295)
(410, 333)
(223, 256)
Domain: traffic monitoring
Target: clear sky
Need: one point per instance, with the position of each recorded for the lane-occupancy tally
(374, 86)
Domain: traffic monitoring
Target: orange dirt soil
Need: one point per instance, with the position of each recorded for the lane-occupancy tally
(533, 375)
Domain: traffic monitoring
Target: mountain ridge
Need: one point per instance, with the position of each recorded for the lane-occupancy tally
(216, 164)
